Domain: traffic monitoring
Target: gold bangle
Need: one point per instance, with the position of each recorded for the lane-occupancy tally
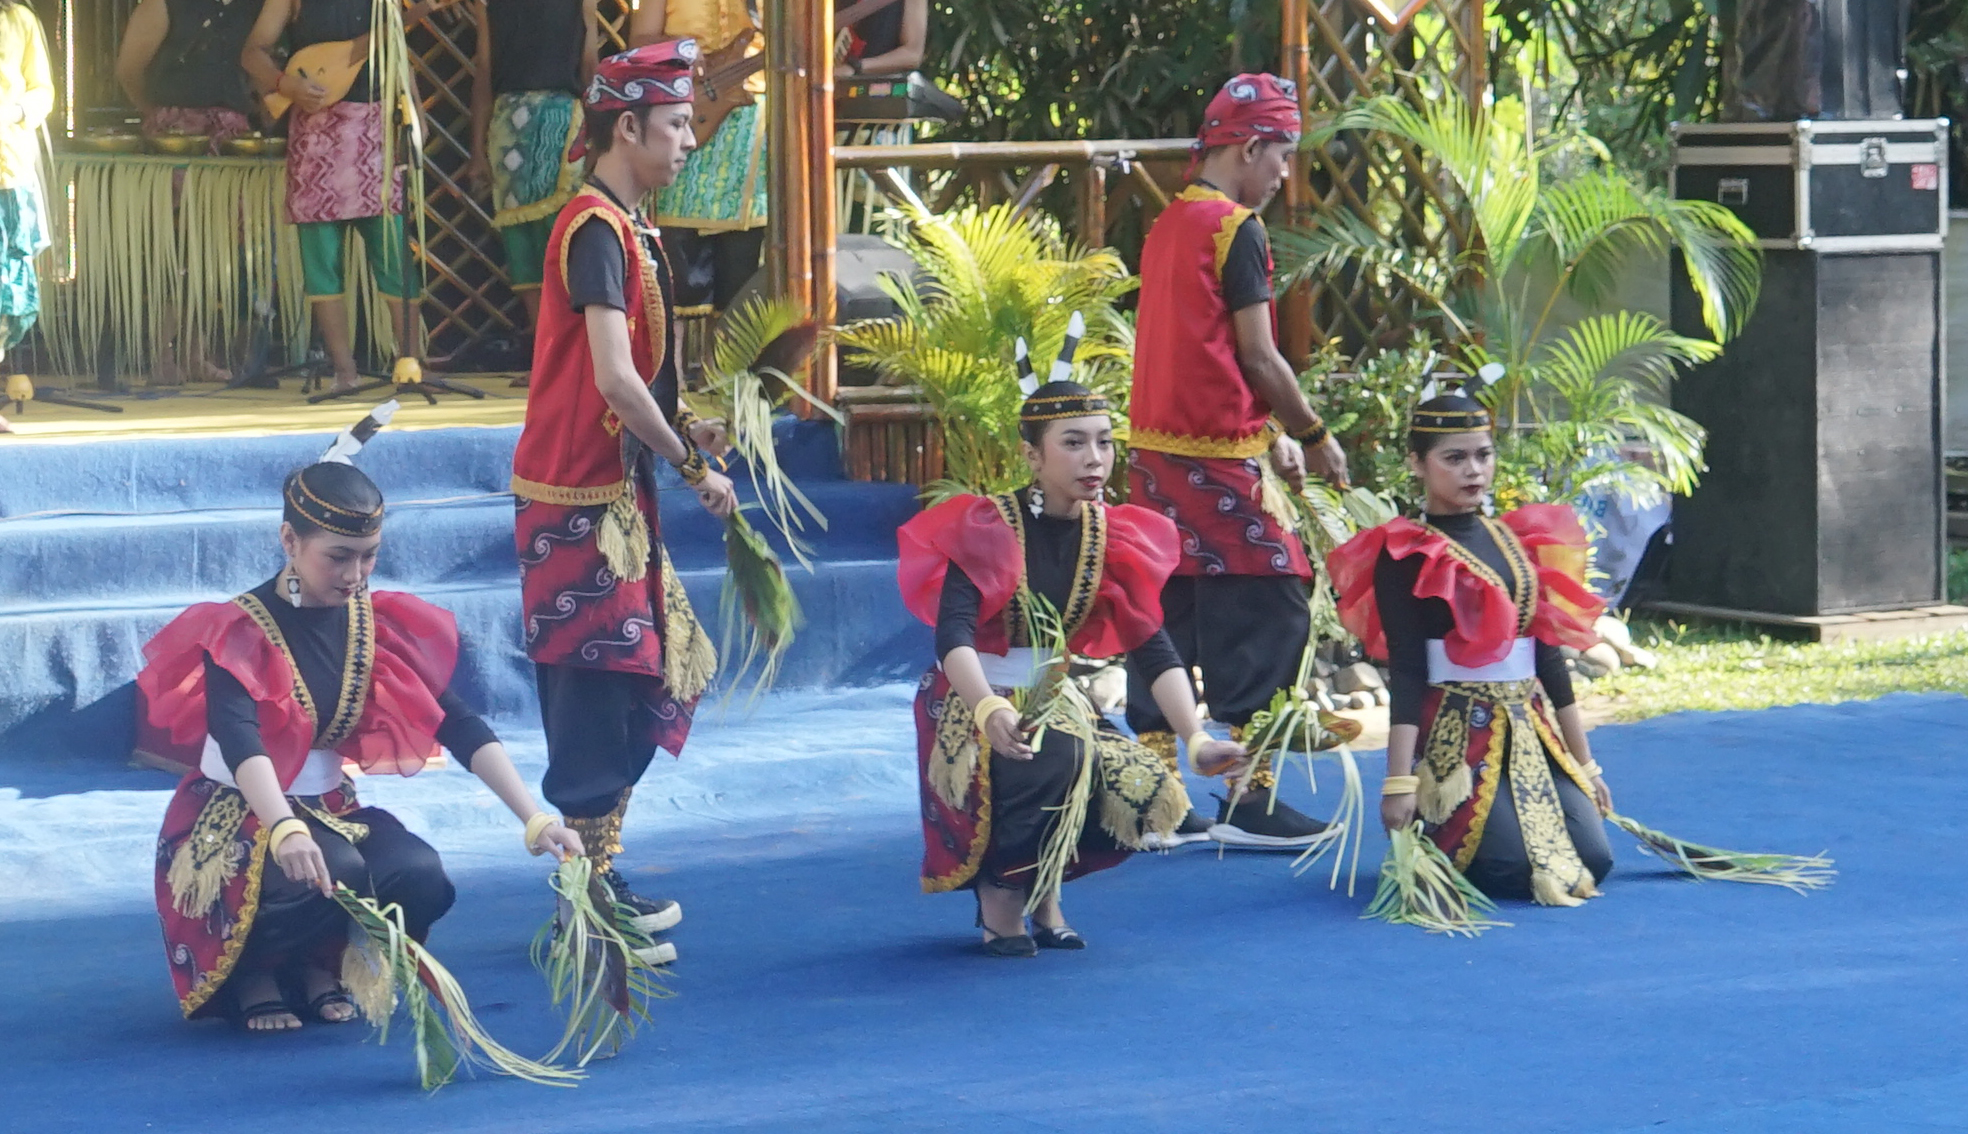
(537, 826)
(1196, 741)
(984, 710)
(292, 825)
(1400, 785)
(1591, 770)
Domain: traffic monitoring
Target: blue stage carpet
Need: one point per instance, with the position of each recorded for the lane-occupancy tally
(821, 992)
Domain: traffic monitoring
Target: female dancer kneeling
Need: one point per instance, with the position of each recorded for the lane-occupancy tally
(1469, 613)
(283, 684)
(969, 567)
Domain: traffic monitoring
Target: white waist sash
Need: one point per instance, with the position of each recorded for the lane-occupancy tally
(320, 775)
(1517, 665)
(1012, 671)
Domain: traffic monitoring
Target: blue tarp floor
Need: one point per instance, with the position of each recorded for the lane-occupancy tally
(819, 991)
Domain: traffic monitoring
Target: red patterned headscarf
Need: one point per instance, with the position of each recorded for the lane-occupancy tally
(652, 75)
(1254, 105)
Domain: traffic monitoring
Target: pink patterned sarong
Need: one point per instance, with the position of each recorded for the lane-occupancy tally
(335, 164)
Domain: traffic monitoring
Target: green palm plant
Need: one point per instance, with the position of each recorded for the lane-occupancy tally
(1570, 394)
(998, 275)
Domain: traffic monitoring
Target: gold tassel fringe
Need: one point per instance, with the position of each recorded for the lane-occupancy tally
(953, 763)
(210, 856)
(690, 661)
(623, 538)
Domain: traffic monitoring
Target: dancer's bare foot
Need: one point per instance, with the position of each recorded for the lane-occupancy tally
(327, 999)
(4, 427)
(212, 372)
(346, 382)
(261, 1006)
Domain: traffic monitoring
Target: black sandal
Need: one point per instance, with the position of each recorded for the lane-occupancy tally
(1057, 937)
(264, 1010)
(330, 997)
(1001, 945)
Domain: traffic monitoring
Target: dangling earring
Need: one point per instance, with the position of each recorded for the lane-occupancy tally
(293, 586)
(1036, 501)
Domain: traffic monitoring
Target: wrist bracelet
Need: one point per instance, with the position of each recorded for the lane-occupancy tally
(684, 419)
(1591, 770)
(535, 827)
(1196, 740)
(292, 825)
(984, 710)
(1314, 436)
(692, 468)
(1400, 785)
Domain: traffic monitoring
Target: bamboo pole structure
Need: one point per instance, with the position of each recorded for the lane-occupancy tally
(950, 155)
(1295, 307)
(789, 226)
(823, 217)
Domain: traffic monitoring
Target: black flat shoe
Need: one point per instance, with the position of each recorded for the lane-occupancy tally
(1060, 937)
(252, 1014)
(1019, 946)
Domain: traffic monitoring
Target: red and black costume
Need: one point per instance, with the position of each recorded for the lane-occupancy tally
(620, 657)
(366, 683)
(963, 565)
(1469, 613)
(1199, 436)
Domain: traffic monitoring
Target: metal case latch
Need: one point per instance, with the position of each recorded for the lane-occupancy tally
(1872, 157)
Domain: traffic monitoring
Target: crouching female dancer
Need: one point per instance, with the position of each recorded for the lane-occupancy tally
(990, 797)
(1487, 745)
(283, 685)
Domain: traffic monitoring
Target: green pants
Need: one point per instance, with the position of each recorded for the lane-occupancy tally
(526, 251)
(322, 253)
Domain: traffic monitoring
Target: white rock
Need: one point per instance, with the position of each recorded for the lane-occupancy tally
(1613, 632)
(1322, 667)
(1587, 670)
(1382, 697)
(1357, 677)
(1108, 689)
(1324, 700)
(1640, 658)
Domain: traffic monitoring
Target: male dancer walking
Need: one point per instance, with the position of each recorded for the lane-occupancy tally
(620, 658)
(1208, 382)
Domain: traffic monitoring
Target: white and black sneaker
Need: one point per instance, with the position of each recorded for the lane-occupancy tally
(650, 916)
(1258, 823)
(1193, 829)
(661, 953)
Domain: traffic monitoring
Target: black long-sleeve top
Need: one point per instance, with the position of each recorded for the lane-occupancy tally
(1052, 549)
(1410, 622)
(318, 638)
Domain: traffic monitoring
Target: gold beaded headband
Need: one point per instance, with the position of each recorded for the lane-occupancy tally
(1458, 421)
(1056, 407)
(328, 517)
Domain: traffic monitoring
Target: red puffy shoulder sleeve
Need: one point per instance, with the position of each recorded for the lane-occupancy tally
(1556, 542)
(967, 531)
(1142, 552)
(173, 680)
(1485, 617)
(416, 655)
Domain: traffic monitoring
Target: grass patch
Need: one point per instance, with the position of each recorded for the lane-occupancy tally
(1707, 667)
(1957, 587)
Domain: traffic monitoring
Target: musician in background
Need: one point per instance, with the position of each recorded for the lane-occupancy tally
(335, 180)
(27, 97)
(887, 41)
(713, 217)
(534, 61)
(179, 65)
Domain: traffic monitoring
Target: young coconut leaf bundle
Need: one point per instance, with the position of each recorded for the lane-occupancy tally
(588, 953)
(758, 347)
(385, 967)
(1291, 726)
(1419, 886)
(1053, 701)
(1798, 873)
(756, 604)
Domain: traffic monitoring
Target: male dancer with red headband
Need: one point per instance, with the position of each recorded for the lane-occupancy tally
(620, 658)
(1213, 400)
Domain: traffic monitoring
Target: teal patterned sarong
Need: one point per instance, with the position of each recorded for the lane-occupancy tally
(23, 235)
(529, 138)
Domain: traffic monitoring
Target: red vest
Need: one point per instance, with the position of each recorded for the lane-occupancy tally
(1190, 397)
(570, 451)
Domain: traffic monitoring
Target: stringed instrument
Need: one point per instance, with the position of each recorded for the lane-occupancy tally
(335, 65)
(720, 82)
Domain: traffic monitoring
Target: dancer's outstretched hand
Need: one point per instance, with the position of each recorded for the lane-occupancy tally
(299, 857)
(717, 495)
(710, 435)
(1221, 758)
(1397, 812)
(560, 842)
(1602, 795)
(1007, 736)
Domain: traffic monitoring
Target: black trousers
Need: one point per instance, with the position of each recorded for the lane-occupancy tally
(391, 865)
(1502, 868)
(601, 729)
(1247, 632)
(710, 267)
(1022, 791)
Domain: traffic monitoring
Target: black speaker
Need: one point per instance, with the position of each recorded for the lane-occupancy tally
(1829, 59)
(1824, 492)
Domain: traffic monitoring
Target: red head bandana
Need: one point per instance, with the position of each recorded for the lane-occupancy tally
(644, 76)
(1249, 106)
